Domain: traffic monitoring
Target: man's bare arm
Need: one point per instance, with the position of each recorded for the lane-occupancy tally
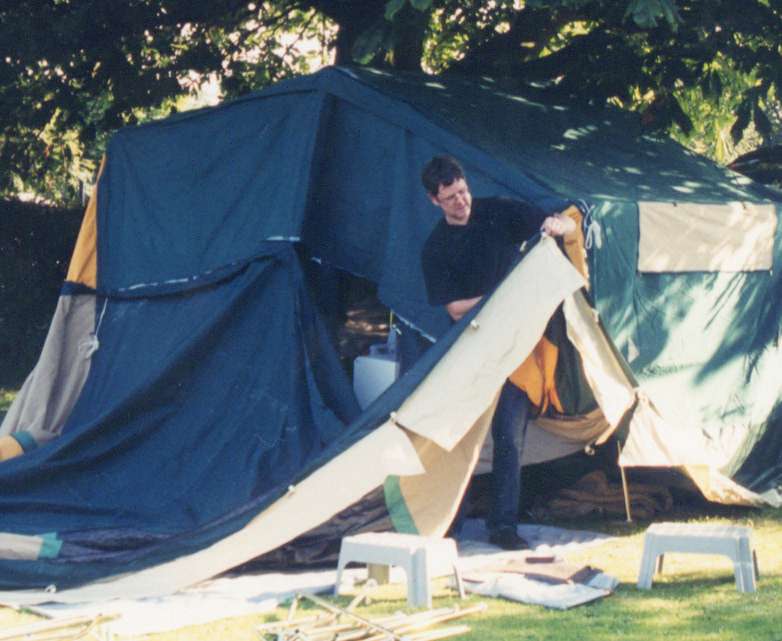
(458, 308)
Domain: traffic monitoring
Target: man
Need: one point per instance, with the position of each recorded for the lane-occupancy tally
(470, 251)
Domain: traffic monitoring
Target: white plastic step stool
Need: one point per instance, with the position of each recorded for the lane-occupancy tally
(691, 538)
(421, 557)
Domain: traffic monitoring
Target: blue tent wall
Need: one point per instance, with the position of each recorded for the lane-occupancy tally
(200, 408)
(183, 197)
(195, 193)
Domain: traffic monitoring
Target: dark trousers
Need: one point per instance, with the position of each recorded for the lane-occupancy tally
(510, 418)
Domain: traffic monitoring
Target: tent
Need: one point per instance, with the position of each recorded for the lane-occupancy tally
(189, 413)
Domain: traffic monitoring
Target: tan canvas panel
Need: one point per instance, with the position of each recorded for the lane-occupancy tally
(574, 243)
(9, 448)
(433, 498)
(549, 438)
(719, 488)
(686, 237)
(84, 261)
(576, 429)
(464, 383)
(605, 375)
(653, 442)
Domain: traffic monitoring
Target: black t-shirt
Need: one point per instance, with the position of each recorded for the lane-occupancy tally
(464, 261)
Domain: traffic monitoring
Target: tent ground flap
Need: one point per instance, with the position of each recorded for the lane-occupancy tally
(337, 484)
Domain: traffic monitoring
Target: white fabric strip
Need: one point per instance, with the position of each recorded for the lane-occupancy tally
(20, 547)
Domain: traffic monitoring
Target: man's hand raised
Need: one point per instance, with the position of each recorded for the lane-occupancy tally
(558, 225)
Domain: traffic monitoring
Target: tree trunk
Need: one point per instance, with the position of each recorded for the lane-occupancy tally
(352, 19)
(409, 33)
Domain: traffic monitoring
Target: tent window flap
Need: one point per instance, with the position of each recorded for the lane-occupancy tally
(689, 237)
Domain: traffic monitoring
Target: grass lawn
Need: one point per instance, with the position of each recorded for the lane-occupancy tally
(694, 600)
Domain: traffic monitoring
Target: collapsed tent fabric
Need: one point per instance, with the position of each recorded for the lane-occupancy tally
(184, 391)
(111, 524)
(206, 415)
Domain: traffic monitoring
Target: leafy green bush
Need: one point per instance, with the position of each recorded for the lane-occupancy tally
(35, 247)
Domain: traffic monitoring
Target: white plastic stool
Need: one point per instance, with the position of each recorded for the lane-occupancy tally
(421, 557)
(730, 540)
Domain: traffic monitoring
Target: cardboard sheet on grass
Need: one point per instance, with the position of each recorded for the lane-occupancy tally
(553, 583)
(557, 596)
(233, 596)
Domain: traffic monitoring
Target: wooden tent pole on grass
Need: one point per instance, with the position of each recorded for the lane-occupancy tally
(625, 488)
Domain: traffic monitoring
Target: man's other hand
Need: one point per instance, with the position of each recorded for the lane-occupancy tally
(558, 225)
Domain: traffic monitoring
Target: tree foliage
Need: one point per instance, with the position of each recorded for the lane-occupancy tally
(75, 70)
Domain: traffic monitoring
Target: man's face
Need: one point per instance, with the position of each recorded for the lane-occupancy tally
(455, 200)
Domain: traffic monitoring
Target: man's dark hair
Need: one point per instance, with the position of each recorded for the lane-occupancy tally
(440, 170)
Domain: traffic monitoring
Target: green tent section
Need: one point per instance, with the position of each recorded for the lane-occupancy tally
(683, 261)
(189, 409)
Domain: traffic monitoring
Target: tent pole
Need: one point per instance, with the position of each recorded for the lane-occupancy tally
(625, 488)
